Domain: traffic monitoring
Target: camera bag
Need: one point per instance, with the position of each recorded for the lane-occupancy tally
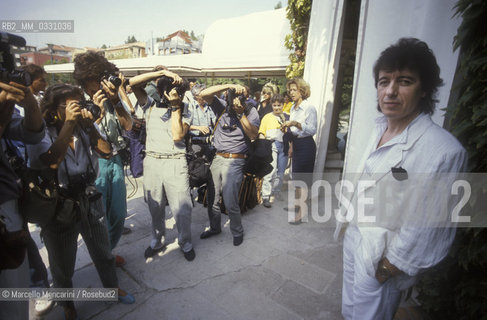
(39, 196)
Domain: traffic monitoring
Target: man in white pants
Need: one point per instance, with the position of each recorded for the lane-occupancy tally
(413, 229)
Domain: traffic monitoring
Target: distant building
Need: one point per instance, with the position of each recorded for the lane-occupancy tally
(125, 51)
(42, 58)
(178, 42)
(59, 50)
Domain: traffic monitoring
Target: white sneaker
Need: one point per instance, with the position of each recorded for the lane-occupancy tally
(43, 306)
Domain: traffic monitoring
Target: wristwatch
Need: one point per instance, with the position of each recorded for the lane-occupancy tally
(383, 271)
(386, 270)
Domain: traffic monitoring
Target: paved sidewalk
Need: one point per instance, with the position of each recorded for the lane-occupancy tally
(280, 271)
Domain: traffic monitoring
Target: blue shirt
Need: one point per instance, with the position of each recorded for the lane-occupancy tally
(202, 117)
(229, 134)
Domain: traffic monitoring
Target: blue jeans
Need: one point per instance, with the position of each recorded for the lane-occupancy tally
(111, 183)
(273, 181)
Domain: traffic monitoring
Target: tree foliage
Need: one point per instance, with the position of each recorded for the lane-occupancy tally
(457, 289)
(130, 39)
(298, 12)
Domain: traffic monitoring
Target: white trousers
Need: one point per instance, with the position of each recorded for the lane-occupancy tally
(363, 297)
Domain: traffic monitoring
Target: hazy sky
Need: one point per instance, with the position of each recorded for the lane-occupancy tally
(111, 22)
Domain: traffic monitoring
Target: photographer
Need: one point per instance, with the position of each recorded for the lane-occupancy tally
(96, 75)
(71, 147)
(166, 170)
(137, 134)
(38, 79)
(14, 272)
(237, 125)
(203, 121)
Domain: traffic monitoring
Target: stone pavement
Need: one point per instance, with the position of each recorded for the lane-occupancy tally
(281, 271)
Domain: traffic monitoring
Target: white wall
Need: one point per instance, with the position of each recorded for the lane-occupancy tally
(382, 23)
(321, 66)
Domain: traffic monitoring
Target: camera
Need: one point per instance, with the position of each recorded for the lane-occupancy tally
(16, 163)
(231, 95)
(121, 142)
(201, 139)
(92, 193)
(114, 79)
(7, 62)
(83, 183)
(91, 107)
(165, 84)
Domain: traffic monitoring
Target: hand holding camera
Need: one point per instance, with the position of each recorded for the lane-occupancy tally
(99, 99)
(174, 99)
(9, 92)
(110, 90)
(238, 107)
(239, 89)
(72, 111)
(8, 96)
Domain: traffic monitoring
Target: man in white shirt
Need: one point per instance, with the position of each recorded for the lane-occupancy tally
(410, 233)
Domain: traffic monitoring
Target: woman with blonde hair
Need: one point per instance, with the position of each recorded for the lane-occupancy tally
(302, 124)
(265, 106)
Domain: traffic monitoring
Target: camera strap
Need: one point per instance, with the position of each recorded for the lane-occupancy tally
(66, 165)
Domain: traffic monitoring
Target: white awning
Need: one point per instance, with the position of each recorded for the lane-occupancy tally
(241, 47)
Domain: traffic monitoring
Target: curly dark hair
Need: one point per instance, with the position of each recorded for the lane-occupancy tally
(415, 55)
(91, 65)
(54, 95)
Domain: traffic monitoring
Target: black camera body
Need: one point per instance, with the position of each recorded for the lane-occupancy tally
(201, 139)
(165, 84)
(231, 95)
(83, 183)
(8, 72)
(114, 79)
(91, 107)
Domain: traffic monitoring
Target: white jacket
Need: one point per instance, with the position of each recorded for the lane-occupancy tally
(413, 227)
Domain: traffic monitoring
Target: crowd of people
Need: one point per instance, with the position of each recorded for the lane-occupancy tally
(78, 135)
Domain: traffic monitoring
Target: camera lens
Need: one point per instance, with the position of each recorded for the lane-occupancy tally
(116, 81)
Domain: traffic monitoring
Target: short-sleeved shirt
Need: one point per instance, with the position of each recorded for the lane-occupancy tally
(270, 126)
(158, 125)
(229, 134)
(77, 161)
(202, 117)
